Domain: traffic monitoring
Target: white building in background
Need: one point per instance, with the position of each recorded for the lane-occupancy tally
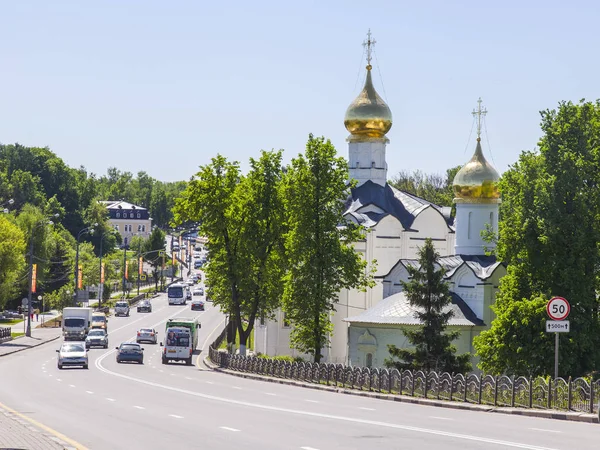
(128, 219)
(396, 224)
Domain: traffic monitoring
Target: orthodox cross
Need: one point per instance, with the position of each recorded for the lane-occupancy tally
(369, 44)
(479, 113)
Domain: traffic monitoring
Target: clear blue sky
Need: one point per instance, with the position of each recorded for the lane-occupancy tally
(163, 86)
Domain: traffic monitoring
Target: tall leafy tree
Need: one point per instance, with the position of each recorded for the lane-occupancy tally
(12, 248)
(319, 244)
(433, 187)
(549, 235)
(429, 293)
(152, 249)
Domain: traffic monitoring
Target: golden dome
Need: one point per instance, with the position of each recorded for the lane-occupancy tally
(368, 116)
(477, 181)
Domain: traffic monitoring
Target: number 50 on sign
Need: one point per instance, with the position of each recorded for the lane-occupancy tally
(558, 308)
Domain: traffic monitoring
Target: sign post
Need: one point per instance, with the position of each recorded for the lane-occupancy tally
(558, 309)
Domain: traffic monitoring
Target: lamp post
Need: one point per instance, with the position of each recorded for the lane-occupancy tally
(124, 268)
(41, 299)
(101, 283)
(140, 263)
(8, 202)
(29, 296)
(91, 230)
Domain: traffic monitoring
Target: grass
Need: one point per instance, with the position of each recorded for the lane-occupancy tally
(15, 334)
(10, 321)
(237, 341)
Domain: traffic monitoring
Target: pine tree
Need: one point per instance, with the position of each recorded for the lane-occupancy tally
(428, 292)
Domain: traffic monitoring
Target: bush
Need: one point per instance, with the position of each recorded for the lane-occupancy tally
(287, 358)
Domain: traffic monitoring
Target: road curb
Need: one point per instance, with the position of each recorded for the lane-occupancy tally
(539, 413)
(31, 346)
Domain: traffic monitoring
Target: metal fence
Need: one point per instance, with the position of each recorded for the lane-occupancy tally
(578, 394)
(5, 333)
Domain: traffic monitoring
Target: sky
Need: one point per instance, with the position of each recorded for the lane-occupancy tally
(162, 87)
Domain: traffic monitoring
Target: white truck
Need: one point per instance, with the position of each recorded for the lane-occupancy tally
(76, 323)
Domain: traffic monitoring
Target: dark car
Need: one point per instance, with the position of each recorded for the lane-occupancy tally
(144, 306)
(130, 352)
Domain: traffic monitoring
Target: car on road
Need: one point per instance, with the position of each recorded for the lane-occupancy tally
(96, 338)
(144, 306)
(122, 309)
(72, 354)
(197, 305)
(189, 282)
(198, 291)
(128, 351)
(146, 335)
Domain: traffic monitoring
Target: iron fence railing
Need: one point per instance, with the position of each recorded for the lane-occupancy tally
(579, 394)
(5, 333)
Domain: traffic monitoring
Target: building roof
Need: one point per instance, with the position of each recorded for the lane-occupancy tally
(482, 266)
(396, 310)
(403, 206)
(119, 204)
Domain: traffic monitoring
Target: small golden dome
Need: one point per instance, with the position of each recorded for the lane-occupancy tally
(368, 116)
(477, 181)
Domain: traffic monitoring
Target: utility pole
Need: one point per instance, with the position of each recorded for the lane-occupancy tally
(140, 263)
(124, 268)
(28, 331)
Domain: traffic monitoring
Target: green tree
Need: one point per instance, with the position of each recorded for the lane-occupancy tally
(153, 246)
(429, 293)
(319, 244)
(12, 249)
(549, 235)
(433, 187)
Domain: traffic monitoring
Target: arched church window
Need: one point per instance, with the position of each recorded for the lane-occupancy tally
(369, 360)
(492, 218)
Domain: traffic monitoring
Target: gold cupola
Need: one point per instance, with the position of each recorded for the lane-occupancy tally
(368, 117)
(477, 180)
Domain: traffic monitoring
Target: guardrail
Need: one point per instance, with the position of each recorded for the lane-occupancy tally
(579, 394)
(5, 334)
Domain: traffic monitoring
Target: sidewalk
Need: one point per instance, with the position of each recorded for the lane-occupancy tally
(16, 432)
(39, 336)
(20, 327)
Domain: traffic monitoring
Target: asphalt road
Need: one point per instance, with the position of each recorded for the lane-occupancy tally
(113, 406)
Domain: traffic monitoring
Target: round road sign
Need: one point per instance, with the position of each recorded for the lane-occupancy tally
(558, 308)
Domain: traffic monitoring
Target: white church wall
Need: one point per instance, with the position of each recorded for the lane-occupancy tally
(392, 280)
(466, 285)
(386, 241)
(428, 224)
(367, 161)
(471, 219)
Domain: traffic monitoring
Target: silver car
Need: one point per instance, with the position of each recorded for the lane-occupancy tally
(72, 354)
(96, 338)
(146, 335)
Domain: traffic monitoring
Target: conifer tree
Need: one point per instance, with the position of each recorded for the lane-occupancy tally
(428, 292)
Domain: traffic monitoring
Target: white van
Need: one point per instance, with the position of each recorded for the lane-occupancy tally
(178, 345)
(122, 308)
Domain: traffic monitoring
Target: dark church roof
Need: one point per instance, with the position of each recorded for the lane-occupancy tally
(403, 206)
(482, 266)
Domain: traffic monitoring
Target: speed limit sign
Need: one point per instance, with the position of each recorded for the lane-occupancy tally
(558, 308)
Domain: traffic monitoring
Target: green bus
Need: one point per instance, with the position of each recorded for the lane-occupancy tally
(191, 323)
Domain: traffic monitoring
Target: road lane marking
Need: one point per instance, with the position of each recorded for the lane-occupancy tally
(440, 418)
(209, 382)
(110, 399)
(58, 435)
(175, 416)
(71, 385)
(270, 393)
(309, 448)
(545, 431)
(312, 401)
(229, 429)
(366, 409)
(465, 437)
(188, 378)
(236, 387)
(89, 392)
(161, 371)
(206, 341)
(58, 379)
(138, 407)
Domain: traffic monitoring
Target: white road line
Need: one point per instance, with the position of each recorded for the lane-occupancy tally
(308, 448)
(161, 371)
(297, 412)
(110, 399)
(58, 379)
(49, 374)
(172, 374)
(188, 378)
(89, 392)
(229, 429)
(210, 382)
(270, 393)
(175, 416)
(236, 387)
(71, 385)
(366, 409)
(138, 407)
(312, 401)
(545, 431)
(440, 418)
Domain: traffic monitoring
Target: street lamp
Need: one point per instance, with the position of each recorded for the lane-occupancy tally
(29, 306)
(91, 230)
(101, 283)
(41, 299)
(9, 202)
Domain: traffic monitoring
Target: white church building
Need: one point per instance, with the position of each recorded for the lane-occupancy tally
(396, 224)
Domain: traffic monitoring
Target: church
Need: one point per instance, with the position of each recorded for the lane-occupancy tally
(396, 224)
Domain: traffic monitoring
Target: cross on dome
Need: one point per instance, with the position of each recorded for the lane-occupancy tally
(369, 44)
(479, 113)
